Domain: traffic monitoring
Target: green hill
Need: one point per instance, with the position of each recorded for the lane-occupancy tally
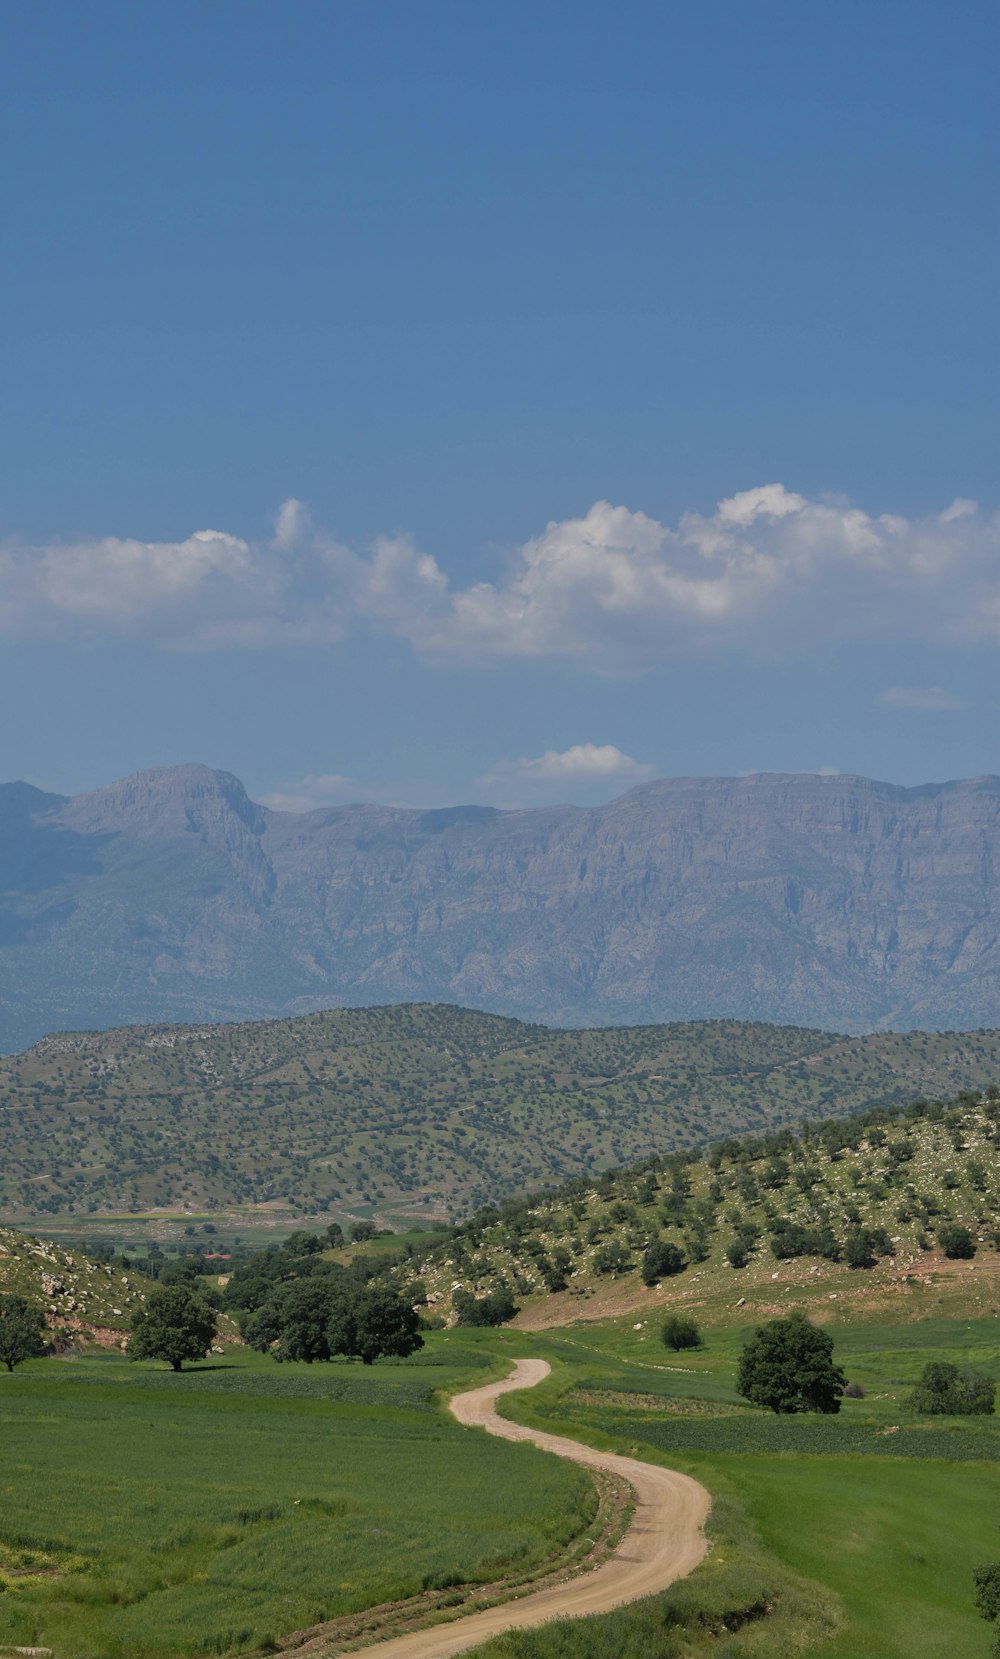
(896, 1208)
(416, 1110)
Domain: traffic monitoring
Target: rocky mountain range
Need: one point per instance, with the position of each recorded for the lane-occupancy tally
(833, 902)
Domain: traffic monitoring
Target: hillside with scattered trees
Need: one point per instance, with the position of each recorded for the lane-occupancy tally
(420, 1110)
(880, 1204)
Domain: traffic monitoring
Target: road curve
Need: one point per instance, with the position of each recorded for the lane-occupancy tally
(664, 1542)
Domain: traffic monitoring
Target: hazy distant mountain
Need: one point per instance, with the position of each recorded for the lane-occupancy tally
(823, 901)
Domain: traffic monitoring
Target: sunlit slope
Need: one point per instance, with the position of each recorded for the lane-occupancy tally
(891, 1215)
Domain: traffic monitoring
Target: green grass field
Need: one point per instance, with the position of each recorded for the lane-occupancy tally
(859, 1531)
(156, 1516)
(147, 1514)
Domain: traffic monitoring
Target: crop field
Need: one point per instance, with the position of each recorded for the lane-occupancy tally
(143, 1513)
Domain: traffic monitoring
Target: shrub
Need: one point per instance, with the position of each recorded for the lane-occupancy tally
(790, 1238)
(956, 1242)
(494, 1309)
(611, 1258)
(864, 1246)
(944, 1391)
(737, 1253)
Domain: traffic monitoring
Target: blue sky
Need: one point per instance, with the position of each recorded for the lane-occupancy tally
(455, 324)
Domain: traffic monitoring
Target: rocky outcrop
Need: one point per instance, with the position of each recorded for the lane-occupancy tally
(824, 901)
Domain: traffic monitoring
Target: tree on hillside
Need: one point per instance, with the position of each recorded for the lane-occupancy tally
(494, 1309)
(22, 1331)
(956, 1242)
(681, 1332)
(661, 1261)
(175, 1325)
(864, 1246)
(788, 1366)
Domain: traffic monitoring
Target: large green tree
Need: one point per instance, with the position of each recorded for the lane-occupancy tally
(295, 1322)
(788, 1366)
(384, 1325)
(175, 1325)
(22, 1331)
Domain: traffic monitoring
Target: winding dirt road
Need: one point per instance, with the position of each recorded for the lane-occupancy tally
(664, 1542)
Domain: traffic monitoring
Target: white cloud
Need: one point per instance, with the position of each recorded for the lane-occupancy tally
(316, 789)
(584, 765)
(930, 698)
(614, 590)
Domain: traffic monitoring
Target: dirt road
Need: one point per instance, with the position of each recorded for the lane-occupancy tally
(664, 1542)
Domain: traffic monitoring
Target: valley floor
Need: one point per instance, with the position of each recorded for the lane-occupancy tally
(220, 1511)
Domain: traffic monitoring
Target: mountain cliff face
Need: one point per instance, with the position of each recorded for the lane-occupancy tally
(822, 901)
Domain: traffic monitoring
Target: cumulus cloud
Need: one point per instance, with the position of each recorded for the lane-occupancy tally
(614, 590)
(558, 772)
(920, 699)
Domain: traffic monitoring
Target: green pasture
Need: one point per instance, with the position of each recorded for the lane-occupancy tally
(144, 1514)
(156, 1516)
(860, 1531)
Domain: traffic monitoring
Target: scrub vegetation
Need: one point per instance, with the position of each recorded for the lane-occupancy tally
(420, 1110)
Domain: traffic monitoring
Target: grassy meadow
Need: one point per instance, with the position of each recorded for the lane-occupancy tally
(155, 1516)
(147, 1514)
(849, 1537)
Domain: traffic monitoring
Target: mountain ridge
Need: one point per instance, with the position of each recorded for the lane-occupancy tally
(834, 901)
